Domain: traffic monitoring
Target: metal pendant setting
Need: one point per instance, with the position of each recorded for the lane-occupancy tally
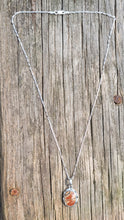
(69, 196)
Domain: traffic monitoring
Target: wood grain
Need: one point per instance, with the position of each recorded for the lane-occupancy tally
(66, 54)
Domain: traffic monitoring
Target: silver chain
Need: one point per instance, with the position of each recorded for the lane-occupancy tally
(37, 87)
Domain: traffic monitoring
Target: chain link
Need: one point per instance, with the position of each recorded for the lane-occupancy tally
(62, 12)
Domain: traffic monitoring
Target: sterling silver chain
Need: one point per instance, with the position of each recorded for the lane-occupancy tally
(36, 83)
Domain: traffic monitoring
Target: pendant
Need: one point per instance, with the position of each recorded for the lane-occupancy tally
(70, 196)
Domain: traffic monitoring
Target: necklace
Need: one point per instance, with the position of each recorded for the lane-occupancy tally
(69, 196)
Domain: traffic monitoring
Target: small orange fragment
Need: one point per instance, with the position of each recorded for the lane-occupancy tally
(14, 192)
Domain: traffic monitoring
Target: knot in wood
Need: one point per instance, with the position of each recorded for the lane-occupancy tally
(117, 99)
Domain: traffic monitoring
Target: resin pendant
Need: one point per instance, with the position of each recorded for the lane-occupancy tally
(70, 196)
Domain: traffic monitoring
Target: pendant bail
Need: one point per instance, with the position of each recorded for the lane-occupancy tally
(68, 182)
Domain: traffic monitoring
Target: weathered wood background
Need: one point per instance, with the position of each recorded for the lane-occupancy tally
(66, 54)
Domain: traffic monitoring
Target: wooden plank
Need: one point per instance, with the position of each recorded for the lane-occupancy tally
(66, 54)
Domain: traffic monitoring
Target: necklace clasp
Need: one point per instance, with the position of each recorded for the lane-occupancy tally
(59, 12)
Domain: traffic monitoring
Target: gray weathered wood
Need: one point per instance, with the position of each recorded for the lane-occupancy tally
(66, 54)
